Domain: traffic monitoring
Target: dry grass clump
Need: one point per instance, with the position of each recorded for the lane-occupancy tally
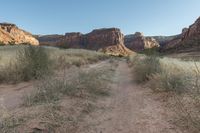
(83, 84)
(144, 68)
(170, 79)
(161, 75)
(23, 63)
(30, 63)
(182, 79)
(77, 57)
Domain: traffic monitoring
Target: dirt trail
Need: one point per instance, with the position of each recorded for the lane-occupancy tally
(130, 109)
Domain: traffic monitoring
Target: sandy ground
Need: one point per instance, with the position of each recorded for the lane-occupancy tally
(11, 95)
(131, 108)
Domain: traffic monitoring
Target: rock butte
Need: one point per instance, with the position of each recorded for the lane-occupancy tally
(10, 33)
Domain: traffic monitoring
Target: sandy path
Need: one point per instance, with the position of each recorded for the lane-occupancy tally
(130, 109)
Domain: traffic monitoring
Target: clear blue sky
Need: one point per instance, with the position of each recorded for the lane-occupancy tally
(152, 17)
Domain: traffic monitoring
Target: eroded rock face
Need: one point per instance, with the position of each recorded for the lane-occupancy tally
(102, 38)
(188, 40)
(117, 50)
(49, 40)
(72, 40)
(139, 42)
(10, 33)
(192, 31)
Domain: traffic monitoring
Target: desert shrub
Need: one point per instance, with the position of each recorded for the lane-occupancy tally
(30, 63)
(33, 62)
(93, 82)
(169, 81)
(48, 90)
(146, 67)
(185, 85)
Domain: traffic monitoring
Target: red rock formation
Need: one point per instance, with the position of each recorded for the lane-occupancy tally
(139, 42)
(108, 40)
(117, 50)
(49, 40)
(72, 40)
(188, 40)
(192, 31)
(102, 38)
(10, 33)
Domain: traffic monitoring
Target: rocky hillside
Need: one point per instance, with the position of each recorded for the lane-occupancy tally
(11, 34)
(48, 40)
(187, 41)
(109, 40)
(138, 42)
(163, 40)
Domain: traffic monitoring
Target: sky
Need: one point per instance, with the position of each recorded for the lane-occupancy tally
(152, 17)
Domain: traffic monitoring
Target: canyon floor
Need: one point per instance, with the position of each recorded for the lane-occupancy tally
(130, 108)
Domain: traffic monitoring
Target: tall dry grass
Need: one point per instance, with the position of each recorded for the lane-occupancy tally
(181, 78)
(29, 63)
(23, 63)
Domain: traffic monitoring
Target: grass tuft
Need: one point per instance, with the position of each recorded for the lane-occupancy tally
(30, 63)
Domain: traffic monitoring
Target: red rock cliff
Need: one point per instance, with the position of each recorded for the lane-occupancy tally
(188, 40)
(72, 40)
(192, 31)
(102, 38)
(109, 40)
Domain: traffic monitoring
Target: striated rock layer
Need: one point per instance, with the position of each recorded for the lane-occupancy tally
(11, 34)
(139, 42)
